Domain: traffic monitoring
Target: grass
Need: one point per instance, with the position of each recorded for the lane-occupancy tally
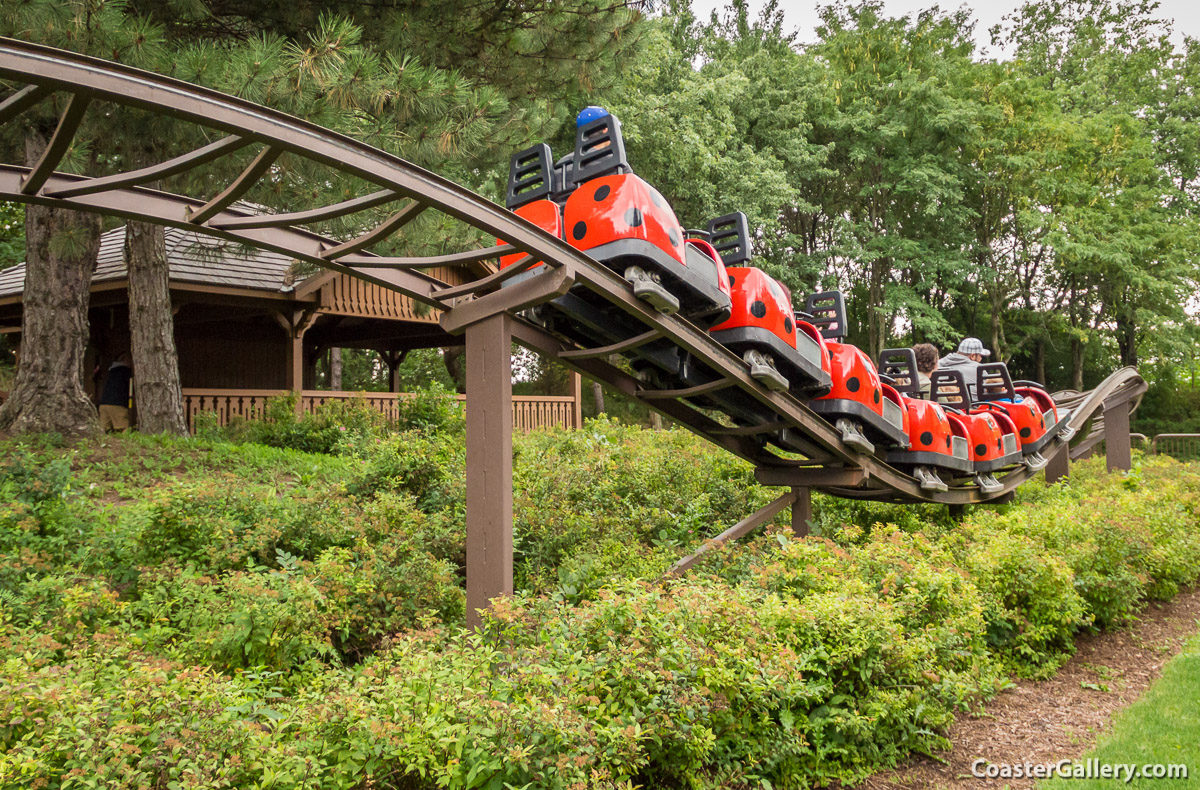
(1163, 727)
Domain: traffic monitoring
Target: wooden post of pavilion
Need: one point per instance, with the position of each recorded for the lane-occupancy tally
(577, 399)
(489, 463)
(295, 323)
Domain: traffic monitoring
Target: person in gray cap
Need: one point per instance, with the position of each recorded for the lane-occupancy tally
(967, 358)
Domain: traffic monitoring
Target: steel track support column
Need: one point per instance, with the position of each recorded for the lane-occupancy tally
(1117, 440)
(801, 511)
(489, 463)
(1059, 466)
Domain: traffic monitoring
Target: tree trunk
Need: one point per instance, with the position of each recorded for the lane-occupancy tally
(60, 253)
(1077, 364)
(335, 369)
(656, 421)
(1040, 362)
(452, 357)
(156, 386)
(1127, 340)
(598, 397)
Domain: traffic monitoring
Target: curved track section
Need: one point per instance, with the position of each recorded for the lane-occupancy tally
(232, 124)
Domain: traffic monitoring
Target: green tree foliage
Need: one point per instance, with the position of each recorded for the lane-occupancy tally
(12, 234)
(1044, 202)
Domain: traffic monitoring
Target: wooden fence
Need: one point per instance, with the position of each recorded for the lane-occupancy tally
(529, 411)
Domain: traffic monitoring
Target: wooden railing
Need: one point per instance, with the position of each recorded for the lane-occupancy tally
(529, 411)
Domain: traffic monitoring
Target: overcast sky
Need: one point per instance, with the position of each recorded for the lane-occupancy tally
(801, 15)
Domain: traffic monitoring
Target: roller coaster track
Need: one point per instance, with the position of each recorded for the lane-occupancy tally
(490, 316)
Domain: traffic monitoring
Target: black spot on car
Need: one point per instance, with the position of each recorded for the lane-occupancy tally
(633, 217)
(853, 384)
(674, 237)
(731, 281)
(877, 396)
(579, 231)
(927, 438)
(655, 199)
(981, 449)
(1026, 432)
(758, 309)
(602, 192)
(787, 325)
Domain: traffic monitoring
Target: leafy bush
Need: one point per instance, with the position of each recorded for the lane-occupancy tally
(235, 615)
(334, 425)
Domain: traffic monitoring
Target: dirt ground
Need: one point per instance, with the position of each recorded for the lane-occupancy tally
(1049, 720)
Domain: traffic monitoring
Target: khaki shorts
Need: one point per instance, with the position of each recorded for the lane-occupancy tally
(114, 418)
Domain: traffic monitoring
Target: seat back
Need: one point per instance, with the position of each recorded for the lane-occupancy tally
(992, 383)
(529, 176)
(949, 388)
(827, 312)
(900, 366)
(730, 236)
(599, 150)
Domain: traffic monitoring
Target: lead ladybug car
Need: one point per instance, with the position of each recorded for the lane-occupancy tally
(595, 202)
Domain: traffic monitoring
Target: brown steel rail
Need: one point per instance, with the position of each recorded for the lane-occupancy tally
(482, 310)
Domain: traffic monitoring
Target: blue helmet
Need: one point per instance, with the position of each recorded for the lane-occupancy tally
(589, 114)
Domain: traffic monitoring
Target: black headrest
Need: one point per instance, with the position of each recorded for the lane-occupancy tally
(529, 176)
(949, 388)
(992, 382)
(900, 365)
(828, 311)
(730, 236)
(599, 149)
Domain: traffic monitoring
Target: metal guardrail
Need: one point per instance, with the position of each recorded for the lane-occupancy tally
(1182, 446)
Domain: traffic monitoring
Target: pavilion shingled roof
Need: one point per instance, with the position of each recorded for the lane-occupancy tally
(191, 257)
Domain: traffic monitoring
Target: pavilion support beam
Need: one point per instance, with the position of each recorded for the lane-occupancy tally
(489, 463)
(1060, 465)
(802, 514)
(1118, 443)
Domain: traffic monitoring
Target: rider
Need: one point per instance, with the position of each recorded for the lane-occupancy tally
(927, 362)
(967, 358)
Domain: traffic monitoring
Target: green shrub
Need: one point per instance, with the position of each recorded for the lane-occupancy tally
(331, 427)
(1031, 606)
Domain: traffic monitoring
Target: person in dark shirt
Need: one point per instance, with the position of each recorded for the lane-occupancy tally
(114, 397)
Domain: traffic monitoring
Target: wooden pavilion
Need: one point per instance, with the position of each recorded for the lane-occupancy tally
(249, 325)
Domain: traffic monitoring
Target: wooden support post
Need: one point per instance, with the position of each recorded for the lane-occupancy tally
(295, 363)
(957, 512)
(1117, 441)
(489, 463)
(1059, 466)
(801, 511)
(296, 323)
(577, 399)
